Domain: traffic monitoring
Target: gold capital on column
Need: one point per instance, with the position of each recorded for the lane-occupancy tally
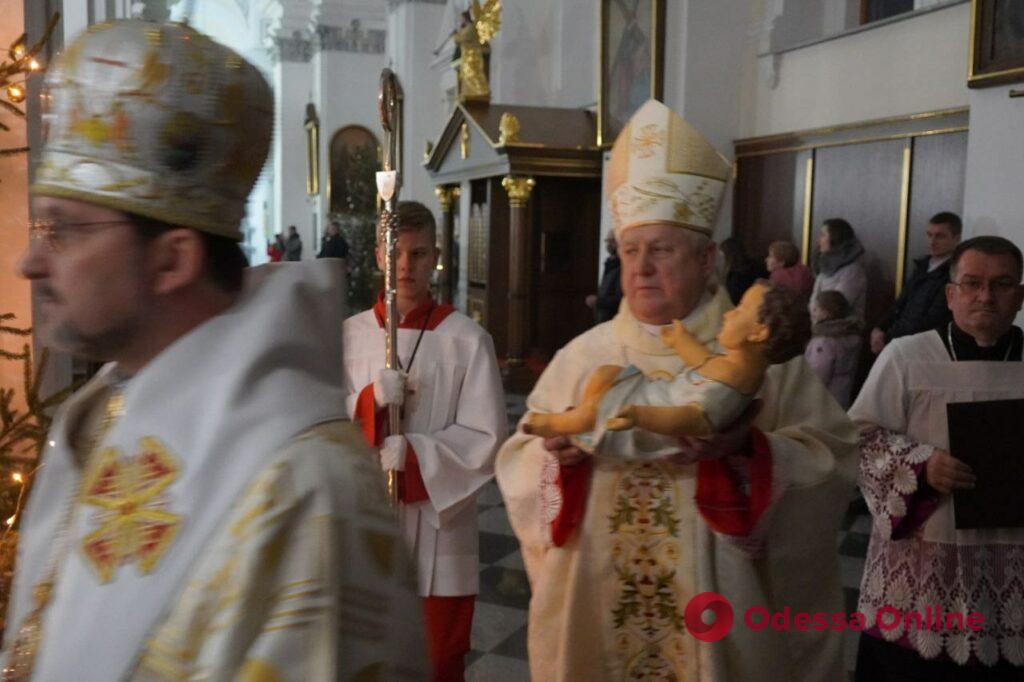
(446, 195)
(518, 189)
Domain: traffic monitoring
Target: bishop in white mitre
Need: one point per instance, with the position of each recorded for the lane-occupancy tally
(615, 550)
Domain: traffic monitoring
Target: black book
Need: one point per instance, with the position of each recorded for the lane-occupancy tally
(989, 437)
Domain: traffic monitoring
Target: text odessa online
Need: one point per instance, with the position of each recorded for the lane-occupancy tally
(888, 618)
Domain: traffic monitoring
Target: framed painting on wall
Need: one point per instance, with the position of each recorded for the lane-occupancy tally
(997, 43)
(353, 158)
(632, 61)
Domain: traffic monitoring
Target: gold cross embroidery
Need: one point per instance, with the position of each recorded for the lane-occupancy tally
(134, 525)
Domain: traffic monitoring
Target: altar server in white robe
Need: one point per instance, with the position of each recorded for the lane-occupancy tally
(203, 508)
(616, 550)
(453, 421)
(918, 561)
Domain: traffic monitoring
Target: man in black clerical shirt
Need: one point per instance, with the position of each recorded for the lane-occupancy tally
(984, 295)
(918, 560)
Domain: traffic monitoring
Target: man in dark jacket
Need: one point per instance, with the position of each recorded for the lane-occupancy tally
(333, 244)
(922, 304)
(293, 245)
(609, 291)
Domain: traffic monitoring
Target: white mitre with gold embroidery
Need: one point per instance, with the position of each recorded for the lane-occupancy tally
(158, 120)
(662, 170)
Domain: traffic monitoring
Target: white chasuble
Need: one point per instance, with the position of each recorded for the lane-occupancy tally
(213, 475)
(608, 599)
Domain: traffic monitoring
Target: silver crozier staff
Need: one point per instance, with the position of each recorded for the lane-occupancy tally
(389, 181)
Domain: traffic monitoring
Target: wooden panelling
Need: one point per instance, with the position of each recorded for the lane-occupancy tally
(769, 200)
(858, 174)
(937, 184)
(497, 258)
(565, 219)
(862, 184)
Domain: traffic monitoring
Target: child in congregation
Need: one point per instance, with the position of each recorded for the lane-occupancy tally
(786, 270)
(835, 340)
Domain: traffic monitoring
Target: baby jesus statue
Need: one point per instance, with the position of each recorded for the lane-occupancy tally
(769, 326)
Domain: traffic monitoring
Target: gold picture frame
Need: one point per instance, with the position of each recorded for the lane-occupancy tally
(996, 53)
(631, 62)
(312, 126)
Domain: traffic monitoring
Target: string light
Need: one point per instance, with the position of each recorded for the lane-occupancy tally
(15, 93)
(21, 61)
(21, 479)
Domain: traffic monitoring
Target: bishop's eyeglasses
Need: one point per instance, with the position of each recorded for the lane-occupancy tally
(57, 235)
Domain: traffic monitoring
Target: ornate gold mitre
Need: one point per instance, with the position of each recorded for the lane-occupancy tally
(158, 120)
(663, 171)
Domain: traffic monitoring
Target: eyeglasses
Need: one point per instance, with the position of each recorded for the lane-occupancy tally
(57, 235)
(998, 287)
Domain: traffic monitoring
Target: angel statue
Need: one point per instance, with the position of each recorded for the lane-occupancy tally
(479, 25)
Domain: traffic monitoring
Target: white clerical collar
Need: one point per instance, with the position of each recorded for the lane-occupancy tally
(688, 321)
(653, 329)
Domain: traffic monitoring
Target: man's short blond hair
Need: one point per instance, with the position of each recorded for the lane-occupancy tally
(412, 217)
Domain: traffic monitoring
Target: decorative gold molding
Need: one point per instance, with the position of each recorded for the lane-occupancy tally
(497, 143)
(971, 46)
(464, 140)
(312, 127)
(509, 127)
(981, 80)
(857, 140)
(808, 192)
(828, 130)
(658, 61)
(599, 140)
(901, 249)
(446, 195)
(519, 189)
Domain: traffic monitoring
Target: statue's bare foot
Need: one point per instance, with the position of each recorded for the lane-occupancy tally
(537, 424)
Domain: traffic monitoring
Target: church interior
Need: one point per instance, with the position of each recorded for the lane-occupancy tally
(881, 112)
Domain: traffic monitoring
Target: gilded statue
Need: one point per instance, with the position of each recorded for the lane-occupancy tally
(508, 127)
(479, 25)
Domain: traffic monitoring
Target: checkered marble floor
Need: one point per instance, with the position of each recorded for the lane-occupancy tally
(499, 626)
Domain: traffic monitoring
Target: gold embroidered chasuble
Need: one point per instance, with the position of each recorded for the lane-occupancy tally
(303, 581)
(207, 533)
(608, 604)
